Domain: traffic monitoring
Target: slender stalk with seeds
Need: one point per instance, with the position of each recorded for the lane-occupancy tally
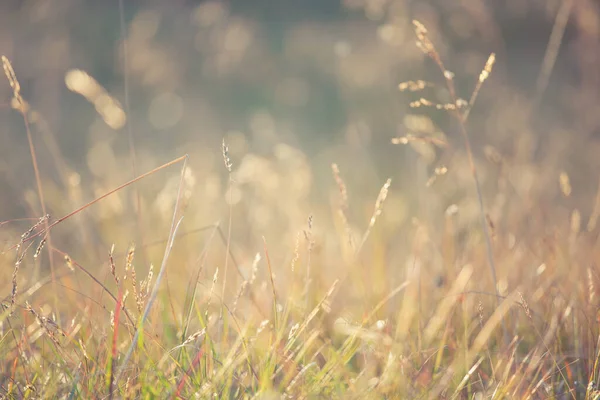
(425, 44)
(383, 193)
(228, 165)
(173, 233)
(22, 106)
(129, 127)
(310, 243)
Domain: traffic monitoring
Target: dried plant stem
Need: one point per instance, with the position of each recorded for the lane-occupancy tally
(172, 234)
(129, 127)
(545, 340)
(113, 354)
(482, 214)
(428, 48)
(556, 36)
(96, 280)
(484, 225)
(227, 244)
(343, 205)
(148, 304)
(105, 195)
(239, 271)
(485, 73)
(478, 343)
(272, 281)
(191, 293)
(376, 213)
(22, 107)
(310, 243)
(228, 165)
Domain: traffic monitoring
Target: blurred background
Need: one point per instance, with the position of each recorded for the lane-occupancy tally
(292, 87)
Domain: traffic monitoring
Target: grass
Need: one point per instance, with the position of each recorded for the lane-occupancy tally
(513, 314)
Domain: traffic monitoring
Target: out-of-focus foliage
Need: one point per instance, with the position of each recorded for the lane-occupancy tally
(293, 87)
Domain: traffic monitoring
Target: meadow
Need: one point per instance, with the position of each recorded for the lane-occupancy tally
(378, 200)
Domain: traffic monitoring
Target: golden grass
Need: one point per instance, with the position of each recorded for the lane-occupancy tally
(364, 305)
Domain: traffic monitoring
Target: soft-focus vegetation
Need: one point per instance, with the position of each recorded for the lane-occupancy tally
(324, 199)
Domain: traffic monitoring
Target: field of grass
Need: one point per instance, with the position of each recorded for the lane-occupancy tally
(445, 246)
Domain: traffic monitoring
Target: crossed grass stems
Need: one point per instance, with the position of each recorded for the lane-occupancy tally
(145, 296)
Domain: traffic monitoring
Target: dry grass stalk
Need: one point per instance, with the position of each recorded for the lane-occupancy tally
(480, 312)
(240, 293)
(341, 186)
(15, 286)
(296, 253)
(441, 314)
(565, 184)
(575, 223)
(424, 139)
(194, 336)
(483, 76)
(93, 278)
(299, 376)
(546, 340)
(39, 248)
(83, 349)
(272, 279)
(108, 107)
(226, 159)
(379, 202)
(23, 107)
(491, 225)
(343, 205)
(210, 295)
(113, 268)
(383, 193)
(368, 353)
(125, 295)
(21, 256)
(145, 284)
(315, 311)
(591, 286)
(172, 234)
(308, 235)
(595, 211)
(14, 84)
(228, 166)
(263, 325)
(468, 375)
(556, 36)
(129, 267)
(478, 343)
(439, 171)
(129, 259)
(414, 86)
(426, 45)
(423, 102)
(295, 354)
(69, 262)
(254, 272)
(28, 233)
(247, 283)
(50, 327)
(98, 199)
(525, 306)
